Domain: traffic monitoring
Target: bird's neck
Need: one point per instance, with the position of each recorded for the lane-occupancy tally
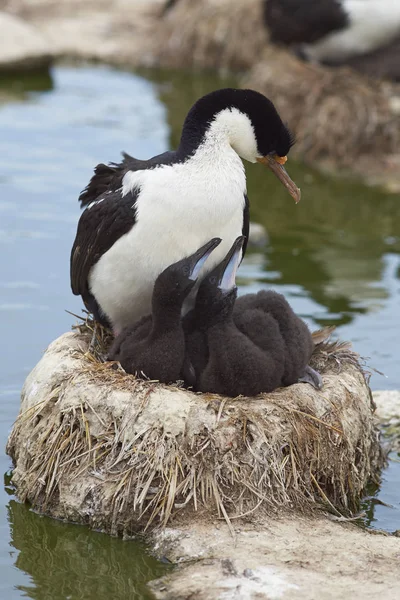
(226, 128)
(166, 316)
(221, 320)
(205, 169)
(228, 131)
(218, 317)
(213, 143)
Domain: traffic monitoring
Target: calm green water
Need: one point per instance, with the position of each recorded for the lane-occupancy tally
(336, 256)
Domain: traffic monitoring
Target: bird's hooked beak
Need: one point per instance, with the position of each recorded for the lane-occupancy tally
(198, 259)
(275, 163)
(228, 267)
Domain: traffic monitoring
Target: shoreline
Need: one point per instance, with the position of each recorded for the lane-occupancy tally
(202, 37)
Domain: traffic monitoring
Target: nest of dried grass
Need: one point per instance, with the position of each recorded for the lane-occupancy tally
(335, 113)
(338, 116)
(211, 34)
(94, 445)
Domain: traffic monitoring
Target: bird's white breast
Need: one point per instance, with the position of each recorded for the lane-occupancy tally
(179, 208)
(373, 23)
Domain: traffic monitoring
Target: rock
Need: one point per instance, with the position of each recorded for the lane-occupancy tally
(290, 558)
(387, 404)
(96, 446)
(133, 453)
(388, 411)
(258, 236)
(22, 46)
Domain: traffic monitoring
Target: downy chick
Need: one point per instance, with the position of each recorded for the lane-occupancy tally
(155, 345)
(298, 342)
(234, 364)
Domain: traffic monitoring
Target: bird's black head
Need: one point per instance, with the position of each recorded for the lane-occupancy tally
(249, 122)
(217, 293)
(176, 281)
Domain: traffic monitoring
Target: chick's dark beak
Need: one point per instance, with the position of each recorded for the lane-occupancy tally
(229, 265)
(198, 259)
(275, 163)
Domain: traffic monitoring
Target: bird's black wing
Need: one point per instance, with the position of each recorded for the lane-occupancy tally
(104, 176)
(109, 177)
(303, 21)
(246, 224)
(99, 227)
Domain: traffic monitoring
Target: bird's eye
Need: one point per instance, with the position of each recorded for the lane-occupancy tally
(213, 279)
(186, 270)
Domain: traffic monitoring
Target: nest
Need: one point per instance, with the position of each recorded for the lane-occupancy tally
(211, 34)
(340, 118)
(97, 446)
(335, 113)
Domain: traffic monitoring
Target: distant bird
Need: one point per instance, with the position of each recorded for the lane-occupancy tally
(143, 215)
(155, 345)
(249, 312)
(234, 364)
(337, 32)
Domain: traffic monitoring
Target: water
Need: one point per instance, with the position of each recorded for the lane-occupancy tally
(336, 256)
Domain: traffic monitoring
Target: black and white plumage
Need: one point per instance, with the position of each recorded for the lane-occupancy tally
(334, 31)
(155, 345)
(142, 216)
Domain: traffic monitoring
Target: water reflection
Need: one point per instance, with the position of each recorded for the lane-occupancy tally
(69, 561)
(17, 86)
(50, 139)
(382, 509)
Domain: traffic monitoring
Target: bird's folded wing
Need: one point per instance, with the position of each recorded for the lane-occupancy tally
(99, 227)
(303, 21)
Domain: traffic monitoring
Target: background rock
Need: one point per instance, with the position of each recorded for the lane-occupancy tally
(22, 46)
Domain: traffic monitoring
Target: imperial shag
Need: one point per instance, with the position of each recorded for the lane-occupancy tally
(364, 34)
(143, 215)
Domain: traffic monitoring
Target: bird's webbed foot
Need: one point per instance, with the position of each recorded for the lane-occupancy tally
(312, 377)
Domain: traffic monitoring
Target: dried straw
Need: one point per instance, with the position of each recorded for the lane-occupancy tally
(94, 445)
